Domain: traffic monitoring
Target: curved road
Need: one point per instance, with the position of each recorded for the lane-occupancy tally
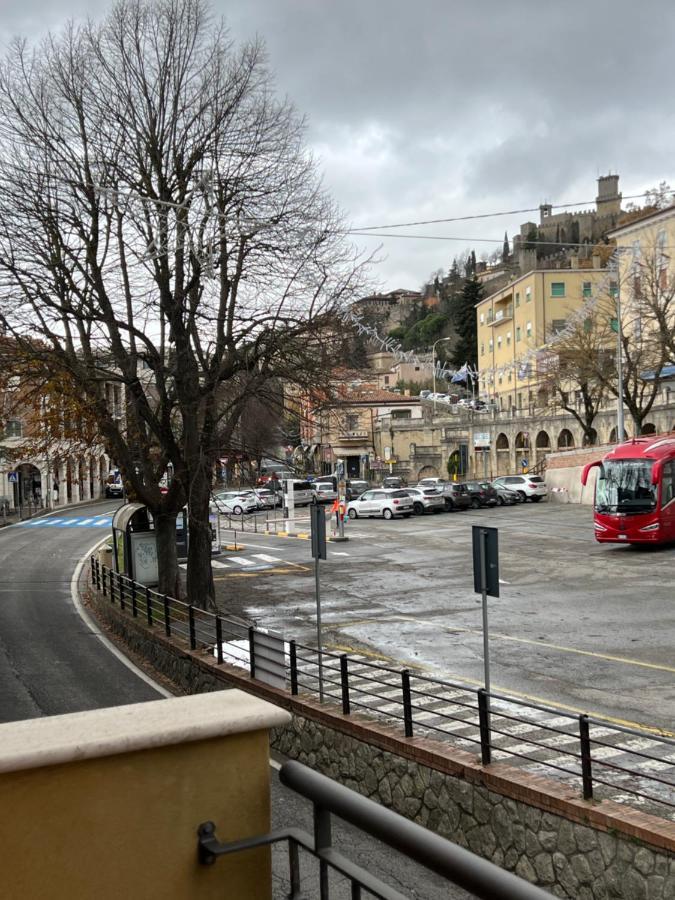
(51, 661)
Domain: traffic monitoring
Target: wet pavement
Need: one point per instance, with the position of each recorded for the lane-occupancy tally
(587, 626)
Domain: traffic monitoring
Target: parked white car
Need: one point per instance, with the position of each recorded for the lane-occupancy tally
(530, 487)
(324, 491)
(381, 503)
(426, 499)
(236, 502)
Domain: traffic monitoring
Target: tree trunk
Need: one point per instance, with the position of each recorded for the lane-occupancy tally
(167, 562)
(200, 587)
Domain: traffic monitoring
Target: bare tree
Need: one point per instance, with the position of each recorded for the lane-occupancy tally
(578, 368)
(163, 227)
(647, 303)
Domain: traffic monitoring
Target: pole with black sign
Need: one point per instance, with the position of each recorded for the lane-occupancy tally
(318, 527)
(486, 581)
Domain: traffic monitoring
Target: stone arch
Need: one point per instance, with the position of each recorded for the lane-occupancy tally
(28, 490)
(502, 449)
(591, 439)
(542, 446)
(543, 441)
(427, 472)
(565, 439)
(613, 433)
(648, 428)
(522, 441)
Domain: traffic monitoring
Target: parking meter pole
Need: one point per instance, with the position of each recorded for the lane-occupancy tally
(318, 528)
(289, 506)
(319, 642)
(486, 646)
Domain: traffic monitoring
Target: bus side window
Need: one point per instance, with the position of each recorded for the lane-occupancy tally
(667, 483)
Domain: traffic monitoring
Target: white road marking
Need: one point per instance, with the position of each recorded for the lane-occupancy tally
(217, 564)
(338, 553)
(266, 557)
(242, 560)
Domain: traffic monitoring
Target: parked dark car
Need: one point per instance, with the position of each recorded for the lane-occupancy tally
(456, 496)
(356, 487)
(393, 481)
(505, 497)
(482, 493)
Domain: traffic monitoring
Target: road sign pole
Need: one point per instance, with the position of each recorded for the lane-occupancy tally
(318, 525)
(319, 641)
(486, 643)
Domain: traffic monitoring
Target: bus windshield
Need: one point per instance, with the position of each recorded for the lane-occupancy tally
(625, 486)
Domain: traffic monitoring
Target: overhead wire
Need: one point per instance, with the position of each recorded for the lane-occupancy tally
(510, 212)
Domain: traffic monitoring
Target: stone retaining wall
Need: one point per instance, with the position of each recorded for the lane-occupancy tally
(537, 828)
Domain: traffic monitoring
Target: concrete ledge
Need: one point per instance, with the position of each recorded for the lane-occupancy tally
(55, 740)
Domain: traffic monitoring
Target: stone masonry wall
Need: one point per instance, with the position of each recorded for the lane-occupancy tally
(528, 825)
(567, 858)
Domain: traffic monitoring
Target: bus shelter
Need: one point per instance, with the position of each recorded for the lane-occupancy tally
(134, 545)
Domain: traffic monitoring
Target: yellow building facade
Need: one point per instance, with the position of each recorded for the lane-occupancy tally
(646, 249)
(517, 325)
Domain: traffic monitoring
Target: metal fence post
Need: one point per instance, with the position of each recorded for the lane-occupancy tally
(344, 680)
(586, 771)
(98, 575)
(93, 571)
(105, 572)
(148, 604)
(167, 616)
(251, 650)
(219, 640)
(193, 630)
(294, 668)
(407, 703)
(120, 588)
(134, 604)
(484, 722)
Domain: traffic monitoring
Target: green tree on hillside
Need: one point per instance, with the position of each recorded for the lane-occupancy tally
(464, 320)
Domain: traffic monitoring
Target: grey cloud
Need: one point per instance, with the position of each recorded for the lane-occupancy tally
(448, 108)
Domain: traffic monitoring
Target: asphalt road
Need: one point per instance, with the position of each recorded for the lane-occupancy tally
(50, 660)
(590, 627)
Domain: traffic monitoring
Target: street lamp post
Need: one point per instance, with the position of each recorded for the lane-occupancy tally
(433, 363)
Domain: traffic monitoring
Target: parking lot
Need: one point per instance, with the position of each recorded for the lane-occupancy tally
(585, 626)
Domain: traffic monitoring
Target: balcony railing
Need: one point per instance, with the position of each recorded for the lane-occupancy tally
(502, 315)
(347, 436)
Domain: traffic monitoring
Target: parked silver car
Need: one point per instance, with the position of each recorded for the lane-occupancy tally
(381, 502)
(426, 499)
(530, 487)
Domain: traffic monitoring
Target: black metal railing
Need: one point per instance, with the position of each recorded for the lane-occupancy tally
(463, 868)
(601, 758)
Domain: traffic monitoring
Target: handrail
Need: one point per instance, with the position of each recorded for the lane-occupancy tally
(482, 878)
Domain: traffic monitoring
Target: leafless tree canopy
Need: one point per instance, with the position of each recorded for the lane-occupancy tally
(163, 225)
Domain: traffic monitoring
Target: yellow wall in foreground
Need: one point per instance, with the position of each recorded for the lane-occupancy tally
(125, 826)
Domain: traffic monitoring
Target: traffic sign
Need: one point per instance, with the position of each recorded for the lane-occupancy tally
(524, 463)
(318, 529)
(485, 560)
(13, 477)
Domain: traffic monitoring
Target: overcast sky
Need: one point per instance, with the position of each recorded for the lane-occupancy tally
(436, 108)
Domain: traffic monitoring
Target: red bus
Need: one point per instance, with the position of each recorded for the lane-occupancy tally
(635, 491)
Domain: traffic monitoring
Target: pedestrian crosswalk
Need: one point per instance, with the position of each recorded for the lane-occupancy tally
(252, 562)
(104, 521)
